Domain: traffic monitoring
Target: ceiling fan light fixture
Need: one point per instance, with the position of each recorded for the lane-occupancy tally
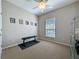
(42, 5)
(41, 0)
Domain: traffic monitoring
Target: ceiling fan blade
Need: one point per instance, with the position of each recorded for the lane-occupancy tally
(28, 0)
(35, 7)
(49, 6)
(41, 0)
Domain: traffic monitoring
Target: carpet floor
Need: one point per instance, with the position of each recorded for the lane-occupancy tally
(42, 50)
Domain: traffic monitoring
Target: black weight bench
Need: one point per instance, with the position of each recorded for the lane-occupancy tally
(77, 46)
(29, 43)
(26, 38)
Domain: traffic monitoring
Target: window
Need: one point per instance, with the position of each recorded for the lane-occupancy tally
(50, 27)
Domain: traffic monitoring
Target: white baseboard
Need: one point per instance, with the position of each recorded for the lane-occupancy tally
(10, 46)
(13, 45)
(40, 39)
(65, 44)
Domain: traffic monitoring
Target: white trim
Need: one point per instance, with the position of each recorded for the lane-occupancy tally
(65, 44)
(40, 39)
(0, 52)
(10, 46)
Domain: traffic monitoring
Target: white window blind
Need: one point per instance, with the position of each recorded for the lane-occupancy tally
(50, 27)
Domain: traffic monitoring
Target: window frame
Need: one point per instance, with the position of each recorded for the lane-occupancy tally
(49, 29)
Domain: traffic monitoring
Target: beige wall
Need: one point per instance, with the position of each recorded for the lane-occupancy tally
(78, 13)
(77, 22)
(12, 33)
(0, 29)
(64, 17)
(78, 8)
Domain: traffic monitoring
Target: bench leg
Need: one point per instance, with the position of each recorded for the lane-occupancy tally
(24, 43)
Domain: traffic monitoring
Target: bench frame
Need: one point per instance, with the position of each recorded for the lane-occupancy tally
(25, 38)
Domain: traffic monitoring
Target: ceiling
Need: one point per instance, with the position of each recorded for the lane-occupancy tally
(30, 4)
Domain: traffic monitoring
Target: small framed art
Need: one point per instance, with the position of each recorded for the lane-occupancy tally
(35, 24)
(31, 23)
(12, 20)
(27, 22)
(20, 21)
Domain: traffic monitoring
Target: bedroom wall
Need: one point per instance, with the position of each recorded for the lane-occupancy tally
(77, 22)
(0, 29)
(12, 33)
(78, 13)
(64, 17)
(78, 8)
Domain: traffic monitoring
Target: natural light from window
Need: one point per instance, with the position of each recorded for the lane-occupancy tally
(50, 27)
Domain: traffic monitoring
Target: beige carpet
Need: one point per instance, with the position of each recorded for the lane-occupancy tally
(42, 50)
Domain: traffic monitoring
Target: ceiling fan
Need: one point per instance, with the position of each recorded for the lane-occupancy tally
(41, 4)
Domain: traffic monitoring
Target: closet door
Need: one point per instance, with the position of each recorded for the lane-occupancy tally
(0, 30)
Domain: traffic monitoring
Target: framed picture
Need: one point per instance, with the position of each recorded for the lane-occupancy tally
(31, 23)
(20, 21)
(12, 20)
(26, 22)
(35, 24)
